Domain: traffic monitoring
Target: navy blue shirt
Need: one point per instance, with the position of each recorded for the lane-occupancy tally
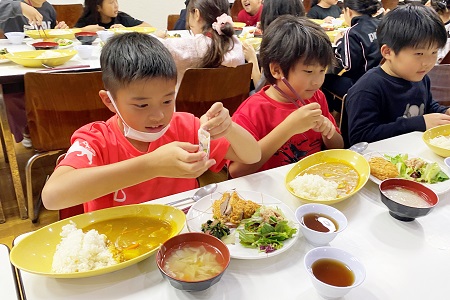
(381, 106)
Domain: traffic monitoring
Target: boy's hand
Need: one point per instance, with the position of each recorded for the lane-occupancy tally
(249, 52)
(304, 118)
(61, 25)
(217, 121)
(181, 160)
(117, 26)
(328, 19)
(436, 119)
(31, 13)
(326, 127)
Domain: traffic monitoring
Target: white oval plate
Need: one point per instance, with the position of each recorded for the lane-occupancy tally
(201, 212)
(439, 187)
(4, 60)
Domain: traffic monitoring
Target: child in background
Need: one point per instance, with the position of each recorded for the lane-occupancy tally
(442, 7)
(19, 23)
(251, 14)
(181, 22)
(325, 10)
(395, 98)
(105, 14)
(213, 43)
(286, 132)
(272, 9)
(146, 150)
(357, 49)
(11, 9)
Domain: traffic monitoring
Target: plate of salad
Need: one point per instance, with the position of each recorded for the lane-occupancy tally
(415, 168)
(253, 238)
(3, 58)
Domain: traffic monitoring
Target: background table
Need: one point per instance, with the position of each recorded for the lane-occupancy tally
(402, 260)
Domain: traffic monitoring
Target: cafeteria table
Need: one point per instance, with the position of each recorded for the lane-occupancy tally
(9, 288)
(403, 260)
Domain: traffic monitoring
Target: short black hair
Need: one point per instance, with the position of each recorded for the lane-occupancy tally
(365, 7)
(411, 26)
(135, 56)
(289, 40)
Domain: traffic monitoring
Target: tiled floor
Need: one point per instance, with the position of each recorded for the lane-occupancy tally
(14, 225)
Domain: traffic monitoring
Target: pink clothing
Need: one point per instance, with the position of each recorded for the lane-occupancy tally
(188, 51)
(103, 143)
(260, 114)
(248, 19)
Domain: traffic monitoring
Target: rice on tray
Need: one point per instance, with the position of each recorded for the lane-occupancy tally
(80, 252)
(314, 187)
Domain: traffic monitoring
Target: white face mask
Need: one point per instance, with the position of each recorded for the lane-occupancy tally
(134, 134)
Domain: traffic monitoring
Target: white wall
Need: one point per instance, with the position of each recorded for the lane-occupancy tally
(154, 12)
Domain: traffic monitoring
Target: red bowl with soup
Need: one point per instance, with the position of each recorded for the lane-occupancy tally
(407, 199)
(45, 45)
(193, 261)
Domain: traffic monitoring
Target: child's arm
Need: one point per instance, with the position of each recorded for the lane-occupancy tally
(68, 186)
(250, 56)
(243, 147)
(331, 138)
(297, 122)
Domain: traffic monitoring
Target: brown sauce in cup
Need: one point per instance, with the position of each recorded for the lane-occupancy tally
(333, 272)
(320, 222)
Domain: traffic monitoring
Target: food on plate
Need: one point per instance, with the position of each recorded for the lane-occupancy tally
(314, 187)
(63, 42)
(80, 252)
(441, 141)
(325, 181)
(231, 209)
(175, 35)
(407, 197)
(266, 229)
(108, 242)
(215, 228)
(3, 52)
(382, 168)
(417, 169)
(193, 261)
(327, 26)
(49, 54)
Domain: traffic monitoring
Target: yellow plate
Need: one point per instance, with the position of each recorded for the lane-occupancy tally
(434, 132)
(352, 158)
(35, 252)
(239, 24)
(133, 29)
(254, 41)
(29, 58)
(53, 33)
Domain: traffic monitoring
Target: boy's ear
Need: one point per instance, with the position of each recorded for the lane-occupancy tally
(386, 52)
(276, 71)
(105, 99)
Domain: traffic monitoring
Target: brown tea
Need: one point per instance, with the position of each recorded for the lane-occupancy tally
(320, 222)
(333, 272)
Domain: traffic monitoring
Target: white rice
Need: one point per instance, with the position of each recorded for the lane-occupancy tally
(49, 54)
(80, 252)
(314, 187)
(441, 141)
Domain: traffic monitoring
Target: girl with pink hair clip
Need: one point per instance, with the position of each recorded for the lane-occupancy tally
(289, 117)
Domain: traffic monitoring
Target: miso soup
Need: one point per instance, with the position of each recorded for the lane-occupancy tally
(407, 197)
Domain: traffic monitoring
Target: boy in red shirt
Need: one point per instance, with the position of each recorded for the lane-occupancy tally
(289, 118)
(146, 150)
(251, 14)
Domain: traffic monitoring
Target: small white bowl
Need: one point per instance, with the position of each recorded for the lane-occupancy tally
(326, 290)
(317, 238)
(105, 35)
(84, 51)
(15, 38)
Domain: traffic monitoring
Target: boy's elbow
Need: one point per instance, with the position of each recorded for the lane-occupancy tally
(49, 198)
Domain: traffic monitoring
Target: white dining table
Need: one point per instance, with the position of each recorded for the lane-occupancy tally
(8, 280)
(403, 260)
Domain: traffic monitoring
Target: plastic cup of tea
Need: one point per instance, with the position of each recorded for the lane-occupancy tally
(333, 272)
(84, 51)
(15, 38)
(105, 35)
(320, 223)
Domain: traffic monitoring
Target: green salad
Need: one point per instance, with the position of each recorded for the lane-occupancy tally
(417, 169)
(266, 229)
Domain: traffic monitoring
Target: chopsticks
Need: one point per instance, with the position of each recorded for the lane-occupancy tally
(38, 26)
(294, 101)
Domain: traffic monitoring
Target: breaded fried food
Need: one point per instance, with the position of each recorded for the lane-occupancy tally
(382, 168)
(232, 209)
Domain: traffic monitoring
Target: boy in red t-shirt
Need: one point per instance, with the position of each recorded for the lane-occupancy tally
(251, 14)
(295, 53)
(146, 150)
